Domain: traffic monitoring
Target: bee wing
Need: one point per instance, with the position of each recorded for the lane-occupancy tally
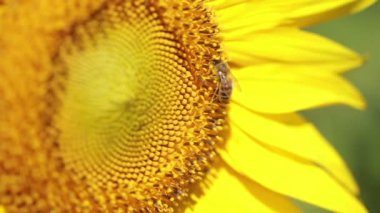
(235, 82)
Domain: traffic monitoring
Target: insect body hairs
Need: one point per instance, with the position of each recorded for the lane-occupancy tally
(225, 82)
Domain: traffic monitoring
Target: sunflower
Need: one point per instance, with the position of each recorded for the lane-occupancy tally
(171, 105)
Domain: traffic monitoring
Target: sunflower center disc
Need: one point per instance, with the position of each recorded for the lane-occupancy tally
(139, 121)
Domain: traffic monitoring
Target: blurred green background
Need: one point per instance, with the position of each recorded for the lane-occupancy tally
(356, 134)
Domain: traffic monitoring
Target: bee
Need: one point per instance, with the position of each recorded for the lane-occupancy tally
(225, 81)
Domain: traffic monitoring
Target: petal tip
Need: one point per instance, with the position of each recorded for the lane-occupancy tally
(362, 5)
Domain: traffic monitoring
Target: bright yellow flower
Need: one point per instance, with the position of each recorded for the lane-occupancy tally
(125, 105)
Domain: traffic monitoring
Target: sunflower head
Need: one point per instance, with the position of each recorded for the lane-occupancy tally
(127, 105)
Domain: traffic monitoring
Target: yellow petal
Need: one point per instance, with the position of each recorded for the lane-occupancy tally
(301, 180)
(231, 192)
(223, 4)
(292, 48)
(290, 133)
(308, 12)
(269, 89)
(2, 210)
(240, 15)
